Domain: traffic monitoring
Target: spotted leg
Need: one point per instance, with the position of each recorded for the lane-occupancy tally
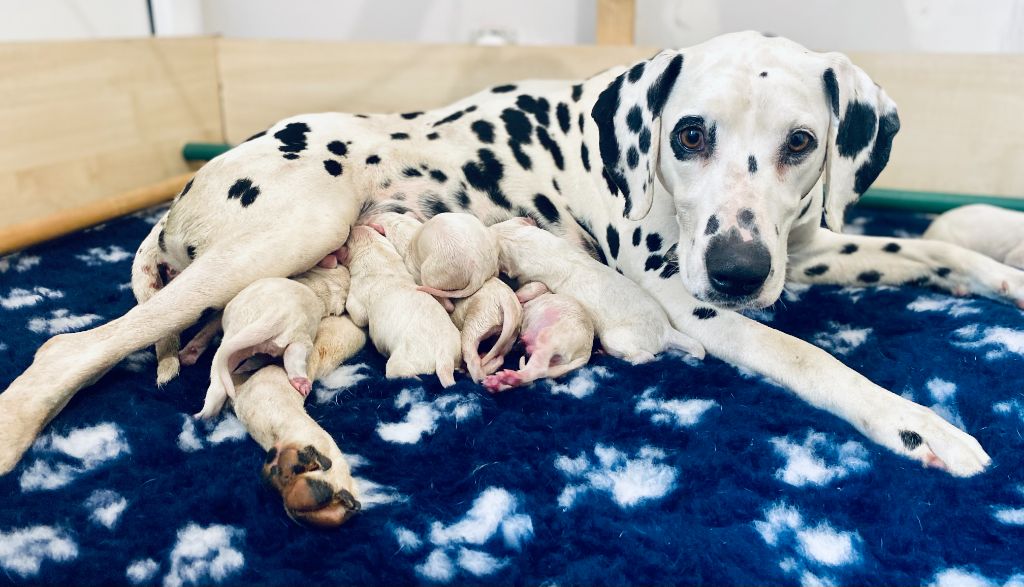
(868, 260)
(146, 281)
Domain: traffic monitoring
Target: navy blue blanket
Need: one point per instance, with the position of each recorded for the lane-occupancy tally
(675, 472)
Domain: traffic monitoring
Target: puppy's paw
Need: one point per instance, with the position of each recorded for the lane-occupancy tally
(920, 434)
(502, 380)
(302, 385)
(311, 492)
(167, 369)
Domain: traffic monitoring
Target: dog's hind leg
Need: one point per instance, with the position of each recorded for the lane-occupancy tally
(146, 281)
(68, 362)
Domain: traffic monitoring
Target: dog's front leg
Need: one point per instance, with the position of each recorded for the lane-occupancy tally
(822, 381)
(303, 462)
(845, 259)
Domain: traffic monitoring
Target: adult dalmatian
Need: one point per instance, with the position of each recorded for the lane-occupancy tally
(702, 174)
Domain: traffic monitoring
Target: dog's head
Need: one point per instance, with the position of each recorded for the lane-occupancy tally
(751, 136)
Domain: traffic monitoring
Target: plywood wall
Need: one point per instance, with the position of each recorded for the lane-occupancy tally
(85, 120)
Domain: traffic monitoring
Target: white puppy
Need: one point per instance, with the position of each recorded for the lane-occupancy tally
(558, 334)
(629, 322)
(493, 310)
(406, 325)
(989, 230)
(278, 317)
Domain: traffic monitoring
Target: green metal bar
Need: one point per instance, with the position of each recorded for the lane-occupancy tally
(914, 201)
(935, 202)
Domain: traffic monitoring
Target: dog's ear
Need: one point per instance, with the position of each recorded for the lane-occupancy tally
(863, 124)
(628, 117)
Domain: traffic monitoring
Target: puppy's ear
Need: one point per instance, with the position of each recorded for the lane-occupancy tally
(628, 117)
(863, 124)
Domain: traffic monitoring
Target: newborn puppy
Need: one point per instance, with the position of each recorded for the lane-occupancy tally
(406, 324)
(278, 317)
(989, 230)
(558, 334)
(452, 255)
(492, 310)
(630, 323)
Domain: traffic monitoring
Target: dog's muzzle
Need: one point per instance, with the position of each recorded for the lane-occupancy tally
(737, 268)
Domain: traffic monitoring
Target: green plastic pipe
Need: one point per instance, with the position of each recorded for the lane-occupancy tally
(913, 201)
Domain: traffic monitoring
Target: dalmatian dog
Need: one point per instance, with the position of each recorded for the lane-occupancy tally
(701, 174)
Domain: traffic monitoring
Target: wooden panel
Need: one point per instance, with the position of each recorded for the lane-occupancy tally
(616, 22)
(85, 120)
(962, 125)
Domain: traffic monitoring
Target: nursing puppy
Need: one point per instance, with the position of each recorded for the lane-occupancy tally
(452, 255)
(277, 317)
(406, 325)
(629, 323)
(990, 230)
(558, 334)
(493, 310)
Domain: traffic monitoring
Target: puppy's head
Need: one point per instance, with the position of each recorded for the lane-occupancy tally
(751, 137)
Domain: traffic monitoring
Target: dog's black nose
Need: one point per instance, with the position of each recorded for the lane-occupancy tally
(737, 268)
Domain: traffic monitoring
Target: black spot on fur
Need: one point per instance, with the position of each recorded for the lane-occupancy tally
(752, 164)
(503, 89)
(554, 184)
(816, 270)
(399, 136)
(943, 271)
(712, 226)
(579, 121)
(653, 242)
(888, 126)
(891, 248)
(255, 136)
(372, 160)
(161, 241)
(612, 237)
(462, 197)
(432, 204)
(634, 119)
(519, 131)
(412, 172)
(361, 116)
(856, 129)
(763, 74)
(806, 207)
(746, 217)
(828, 79)
(671, 263)
(485, 175)
(614, 189)
(654, 262)
(333, 167)
(539, 107)
(552, 147)
(604, 115)
(484, 131)
(911, 439)
(244, 191)
(577, 91)
(546, 208)
(585, 156)
(293, 138)
(470, 109)
(918, 282)
(450, 118)
(438, 176)
(704, 313)
(658, 93)
(411, 115)
(869, 276)
(637, 71)
(849, 249)
(645, 140)
(190, 251)
(632, 157)
(187, 187)
(338, 148)
(562, 113)
(433, 136)
(291, 156)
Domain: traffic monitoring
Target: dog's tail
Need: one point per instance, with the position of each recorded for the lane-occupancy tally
(448, 293)
(511, 311)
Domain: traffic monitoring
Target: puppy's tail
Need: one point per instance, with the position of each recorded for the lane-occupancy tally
(445, 369)
(683, 342)
(227, 357)
(511, 313)
(446, 293)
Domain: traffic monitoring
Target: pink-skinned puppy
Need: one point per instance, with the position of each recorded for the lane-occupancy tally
(406, 325)
(630, 324)
(494, 310)
(278, 317)
(558, 335)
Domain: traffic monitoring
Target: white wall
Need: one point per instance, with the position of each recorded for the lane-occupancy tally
(33, 20)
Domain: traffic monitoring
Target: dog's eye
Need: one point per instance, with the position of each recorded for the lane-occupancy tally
(692, 138)
(799, 141)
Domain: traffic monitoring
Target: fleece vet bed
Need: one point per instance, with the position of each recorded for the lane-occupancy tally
(675, 472)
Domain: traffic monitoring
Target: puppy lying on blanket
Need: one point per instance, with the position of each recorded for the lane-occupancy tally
(558, 334)
(629, 323)
(989, 230)
(494, 310)
(406, 325)
(277, 317)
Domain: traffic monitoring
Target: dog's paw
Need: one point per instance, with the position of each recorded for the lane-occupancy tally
(167, 369)
(311, 492)
(986, 278)
(920, 434)
(302, 385)
(502, 380)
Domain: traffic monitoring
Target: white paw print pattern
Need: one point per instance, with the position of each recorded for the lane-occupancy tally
(629, 481)
(811, 553)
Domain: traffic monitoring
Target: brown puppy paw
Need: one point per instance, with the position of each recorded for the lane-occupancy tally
(299, 475)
